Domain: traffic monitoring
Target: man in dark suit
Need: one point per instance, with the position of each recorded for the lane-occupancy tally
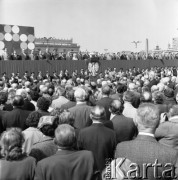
(16, 117)
(105, 101)
(124, 127)
(145, 149)
(66, 164)
(98, 138)
(81, 111)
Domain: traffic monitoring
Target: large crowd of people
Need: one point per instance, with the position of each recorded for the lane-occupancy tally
(69, 127)
(53, 54)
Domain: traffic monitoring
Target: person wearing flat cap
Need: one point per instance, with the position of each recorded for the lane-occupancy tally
(45, 147)
(98, 138)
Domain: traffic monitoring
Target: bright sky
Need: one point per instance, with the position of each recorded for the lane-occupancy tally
(97, 24)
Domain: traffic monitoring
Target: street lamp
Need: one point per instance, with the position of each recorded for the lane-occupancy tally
(136, 43)
(47, 40)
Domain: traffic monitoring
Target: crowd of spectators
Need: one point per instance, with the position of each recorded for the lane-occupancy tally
(55, 55)
(71, 128)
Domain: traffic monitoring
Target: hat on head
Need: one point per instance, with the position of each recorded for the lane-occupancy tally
(45, 120)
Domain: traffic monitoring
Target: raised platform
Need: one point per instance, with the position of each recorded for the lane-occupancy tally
(51, 66)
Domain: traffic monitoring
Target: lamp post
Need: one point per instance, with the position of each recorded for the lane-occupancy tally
(47, 40)
(136, 43)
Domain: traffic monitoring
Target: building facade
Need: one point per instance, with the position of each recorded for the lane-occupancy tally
(60, 45)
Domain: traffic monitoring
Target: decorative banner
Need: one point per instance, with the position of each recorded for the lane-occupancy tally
(31, 46)
(17, 38)
(15, 29)
(2, 45)
(7, 28)
(31, 38)
(8, 37)
(23, 45)
(1, 36)
(23, 37)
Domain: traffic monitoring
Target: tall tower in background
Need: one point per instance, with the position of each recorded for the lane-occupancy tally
(146, 48)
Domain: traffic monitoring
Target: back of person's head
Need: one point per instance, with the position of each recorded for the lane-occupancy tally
(98, 113)
(11, 144)
(106, 90)
(18, 101)
(34, 95)
(27, 84)
(121, 88)
(116, 107)
(80, 94)
(48, 124)
(33, 119)
(173, 111)
(65, 136)
(50, 91)
(129, 96)
(168, 92)
(70, 95)
(66, 117)
(146, 97)
(11, 95)
(22, 92)
(147, 117)
(3, 98)
(158, 97)
(131, 86)
(43, 103)
(60, 91)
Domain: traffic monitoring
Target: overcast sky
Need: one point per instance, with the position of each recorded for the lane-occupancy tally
(97, 24)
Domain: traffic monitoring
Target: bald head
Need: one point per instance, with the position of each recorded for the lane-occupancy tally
(116, 107)
(98, 113)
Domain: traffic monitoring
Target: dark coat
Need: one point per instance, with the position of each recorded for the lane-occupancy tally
(144, 150)
(81, 114)
(124, 127)
(18, 170)
(43, 149)
(66, 165)
(100, 140)
(15, 118)
(105, 102)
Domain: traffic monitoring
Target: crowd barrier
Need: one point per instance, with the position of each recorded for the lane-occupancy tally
(57, 65)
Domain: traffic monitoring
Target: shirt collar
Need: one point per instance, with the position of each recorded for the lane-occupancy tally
(112, 115)
(146, 134)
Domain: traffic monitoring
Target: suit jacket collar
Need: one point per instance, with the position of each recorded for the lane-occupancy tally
(64, 152)
(145, 138)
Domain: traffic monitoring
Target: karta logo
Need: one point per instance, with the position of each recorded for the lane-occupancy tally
(122, 168)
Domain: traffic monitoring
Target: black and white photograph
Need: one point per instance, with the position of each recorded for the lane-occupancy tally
(88, 89)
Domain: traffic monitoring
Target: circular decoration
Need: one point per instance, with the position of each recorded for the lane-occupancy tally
(31, 46)
(1, 52)
(16, 37)
(15, 29)
(23, 37)
(2, 45)
(8, 37)
(31, 37)
(7, 28)
(23, 45)
(1, 36)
